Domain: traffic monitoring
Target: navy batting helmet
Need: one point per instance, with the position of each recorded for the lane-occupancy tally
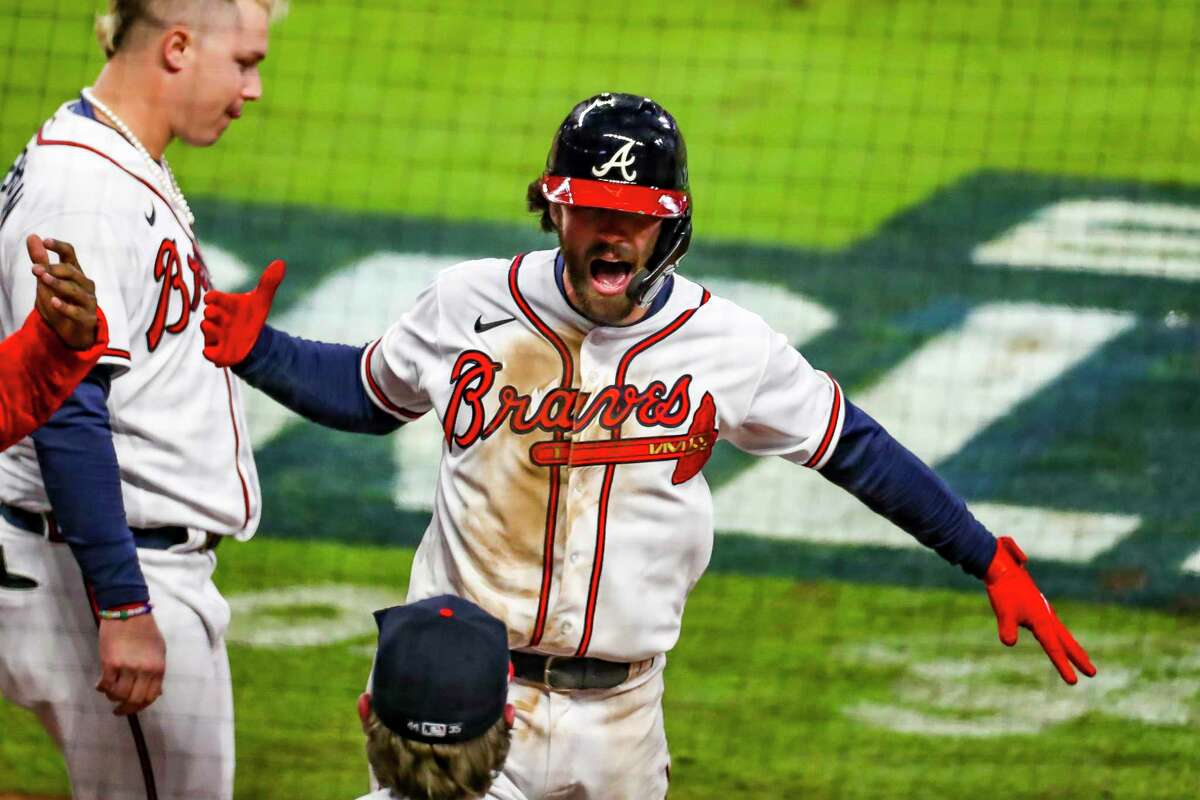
(624, 152)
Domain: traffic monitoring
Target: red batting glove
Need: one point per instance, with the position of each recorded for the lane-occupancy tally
(1016, 600)
(232, 322)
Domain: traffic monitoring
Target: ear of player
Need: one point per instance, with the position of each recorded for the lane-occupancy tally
(1017, 602)
(232, 322)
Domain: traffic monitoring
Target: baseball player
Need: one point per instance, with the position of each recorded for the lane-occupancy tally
(437, 720)
(113, 508)
(580, 392)
(59, 343)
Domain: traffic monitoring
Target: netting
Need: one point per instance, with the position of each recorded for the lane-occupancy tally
(981, 216)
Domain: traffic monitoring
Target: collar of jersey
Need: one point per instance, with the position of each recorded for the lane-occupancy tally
(656, 305)
(97, 135)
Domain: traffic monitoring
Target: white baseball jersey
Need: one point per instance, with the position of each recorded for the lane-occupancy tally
(569, 500)
(177, 421)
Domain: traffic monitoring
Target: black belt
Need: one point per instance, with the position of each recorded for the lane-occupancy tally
(564, 673)
(151, 538)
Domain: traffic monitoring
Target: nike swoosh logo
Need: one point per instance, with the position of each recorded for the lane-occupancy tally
(481, 326)
(153, 215)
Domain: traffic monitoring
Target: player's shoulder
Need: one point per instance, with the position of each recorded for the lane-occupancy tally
(720, 313)
(486, 275)
(74, 164)
(476, 269)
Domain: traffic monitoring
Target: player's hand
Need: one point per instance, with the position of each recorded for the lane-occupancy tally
(232, 322)
(66, 298)
(133, 659)
(1017, 602)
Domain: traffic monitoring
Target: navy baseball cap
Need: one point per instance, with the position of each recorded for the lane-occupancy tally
(441, 670)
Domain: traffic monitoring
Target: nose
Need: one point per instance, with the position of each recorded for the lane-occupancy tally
(252, 89)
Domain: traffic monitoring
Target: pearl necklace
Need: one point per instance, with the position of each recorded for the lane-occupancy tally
(163, 175)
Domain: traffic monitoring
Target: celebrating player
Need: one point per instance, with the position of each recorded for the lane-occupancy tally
(59, 343)
(437, 720)
(580, 391)
(113, 508)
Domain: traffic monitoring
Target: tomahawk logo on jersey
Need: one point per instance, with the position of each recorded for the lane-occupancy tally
(570, 501)
(177, 423)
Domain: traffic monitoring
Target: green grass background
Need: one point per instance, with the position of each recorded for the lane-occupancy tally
(808, 123)
(754, 699)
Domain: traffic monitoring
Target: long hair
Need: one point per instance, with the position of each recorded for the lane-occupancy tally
(537, 203)
(419, 771)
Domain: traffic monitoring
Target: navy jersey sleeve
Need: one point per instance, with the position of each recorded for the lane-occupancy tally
(894, 483)
(318, 380)
(82, 479)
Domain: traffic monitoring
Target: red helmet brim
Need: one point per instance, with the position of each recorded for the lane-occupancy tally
(628, 197)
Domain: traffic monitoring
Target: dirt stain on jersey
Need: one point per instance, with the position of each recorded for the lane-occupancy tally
(509, 494)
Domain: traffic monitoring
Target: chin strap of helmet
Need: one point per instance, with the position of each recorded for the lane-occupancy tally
(647, 284)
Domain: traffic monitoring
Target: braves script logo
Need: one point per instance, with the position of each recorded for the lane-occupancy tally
(566, 411)
(168, 271)
(622, 159)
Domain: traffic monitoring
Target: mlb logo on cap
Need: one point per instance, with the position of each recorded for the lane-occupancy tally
(441, 670)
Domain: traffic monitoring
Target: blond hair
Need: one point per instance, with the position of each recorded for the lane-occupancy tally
(113, 27)
(422, 771)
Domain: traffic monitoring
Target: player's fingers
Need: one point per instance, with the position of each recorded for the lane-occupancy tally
(216, 315)
(155, 688)
(272, 276)
(119, 691)
(65, 251)
(214, 299)
(1006, 623)
(71, 292)
(1047, 636)
(75, 312)
(72, 274)
(212, 337)
(137, 699)
(37, 250)
(108, 678)
(1075, 652)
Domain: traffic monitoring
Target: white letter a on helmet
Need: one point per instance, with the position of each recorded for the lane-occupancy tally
(623, 159)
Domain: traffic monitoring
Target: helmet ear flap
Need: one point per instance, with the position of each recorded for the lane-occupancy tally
(674, 237)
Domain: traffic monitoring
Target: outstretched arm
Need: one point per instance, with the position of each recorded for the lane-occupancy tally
(893, 482)
(318, 380)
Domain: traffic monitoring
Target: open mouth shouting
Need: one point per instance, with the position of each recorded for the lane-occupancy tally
(610, 276)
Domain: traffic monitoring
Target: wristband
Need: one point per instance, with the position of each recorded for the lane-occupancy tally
(126, 613)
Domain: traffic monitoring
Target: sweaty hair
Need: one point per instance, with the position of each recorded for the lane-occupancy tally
(419, 771)
(112, 29)
(537, 203)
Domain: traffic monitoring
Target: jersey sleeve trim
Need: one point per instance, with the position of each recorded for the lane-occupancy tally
(119, 360)
(833, 429)
(376, 393)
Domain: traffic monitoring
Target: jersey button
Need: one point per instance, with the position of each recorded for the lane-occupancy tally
(567, 627)
(575, 558)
